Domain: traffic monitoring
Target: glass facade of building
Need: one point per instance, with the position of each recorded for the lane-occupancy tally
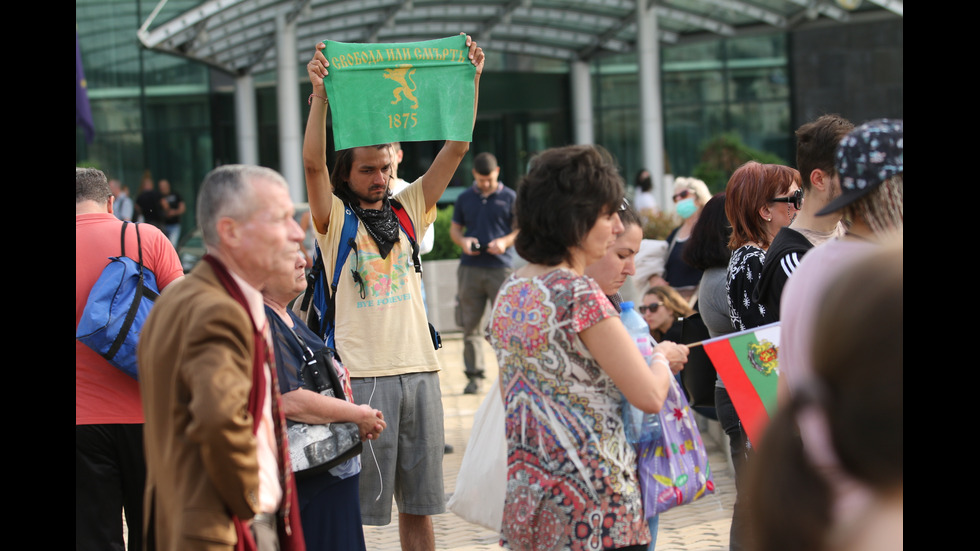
(173, 118)
(739, 86)
(151, 111)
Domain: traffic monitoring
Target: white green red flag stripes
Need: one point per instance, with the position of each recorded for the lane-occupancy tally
(748, 364)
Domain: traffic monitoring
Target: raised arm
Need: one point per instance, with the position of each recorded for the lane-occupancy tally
(318, 186)
(435, 180)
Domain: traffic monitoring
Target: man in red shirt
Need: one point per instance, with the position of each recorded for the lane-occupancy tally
(109, 465)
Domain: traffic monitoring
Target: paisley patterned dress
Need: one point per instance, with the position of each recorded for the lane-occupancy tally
(571, 476)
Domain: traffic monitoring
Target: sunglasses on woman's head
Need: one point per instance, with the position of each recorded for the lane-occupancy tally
(653, 307)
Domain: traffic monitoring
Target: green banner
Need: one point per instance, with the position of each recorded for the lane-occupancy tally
(412, 91)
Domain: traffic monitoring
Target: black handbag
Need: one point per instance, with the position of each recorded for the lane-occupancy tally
(314, 449)
(698, 376)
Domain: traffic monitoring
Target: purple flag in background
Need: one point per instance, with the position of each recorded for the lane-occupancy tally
(83, 111)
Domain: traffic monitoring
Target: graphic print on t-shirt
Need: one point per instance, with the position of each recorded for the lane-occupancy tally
(385, 279)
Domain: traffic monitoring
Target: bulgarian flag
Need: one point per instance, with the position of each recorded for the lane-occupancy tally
(400, 92)
(748, 364)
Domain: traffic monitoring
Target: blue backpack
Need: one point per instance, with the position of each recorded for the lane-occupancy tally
(117, 307)
(320, 318)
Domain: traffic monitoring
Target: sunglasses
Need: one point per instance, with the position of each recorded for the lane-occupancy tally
(796, 199)
(683, 194)
(649, 307)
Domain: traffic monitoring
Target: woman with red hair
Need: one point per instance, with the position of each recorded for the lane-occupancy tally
(759, 200)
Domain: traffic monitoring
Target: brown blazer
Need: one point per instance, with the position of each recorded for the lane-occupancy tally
(195, 363)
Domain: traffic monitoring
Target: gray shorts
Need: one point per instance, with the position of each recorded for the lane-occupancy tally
(406, 461)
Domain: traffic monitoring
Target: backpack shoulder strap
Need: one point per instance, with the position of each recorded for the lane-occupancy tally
(122, 239)
(403, 219)
(348, 236)
(316, 270)
(147, 290)
(139, 248)
(406, 223)
(348, 233)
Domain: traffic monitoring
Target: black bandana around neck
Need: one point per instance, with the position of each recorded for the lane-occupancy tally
(381, 225)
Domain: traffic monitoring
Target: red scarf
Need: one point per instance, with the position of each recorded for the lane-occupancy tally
(290, 531)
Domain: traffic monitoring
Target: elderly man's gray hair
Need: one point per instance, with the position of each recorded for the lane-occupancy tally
(227, 191)
(91, 185)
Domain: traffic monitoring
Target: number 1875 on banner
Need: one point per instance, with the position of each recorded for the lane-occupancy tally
(402, 120)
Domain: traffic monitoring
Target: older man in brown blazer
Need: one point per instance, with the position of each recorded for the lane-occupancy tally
(218, 473)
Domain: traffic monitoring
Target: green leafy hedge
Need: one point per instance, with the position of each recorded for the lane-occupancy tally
(443, 247)
(721, 155)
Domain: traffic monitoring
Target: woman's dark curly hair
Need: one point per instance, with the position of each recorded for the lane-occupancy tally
(564, 192)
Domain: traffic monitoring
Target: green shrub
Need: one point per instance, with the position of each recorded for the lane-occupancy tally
(660, 225)
(443, 247)
(721, 155)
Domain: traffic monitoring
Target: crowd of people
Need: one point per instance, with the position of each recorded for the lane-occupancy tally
(158, 205)
(197, 455)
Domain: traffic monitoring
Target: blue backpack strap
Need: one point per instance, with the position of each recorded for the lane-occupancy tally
(347, 242)
(348, 236)
(317, 286)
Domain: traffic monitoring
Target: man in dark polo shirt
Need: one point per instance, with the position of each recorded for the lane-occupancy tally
(483, 227)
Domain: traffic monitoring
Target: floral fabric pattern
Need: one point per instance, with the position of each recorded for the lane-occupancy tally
(382, 276)
(744, 269)
(571, 476)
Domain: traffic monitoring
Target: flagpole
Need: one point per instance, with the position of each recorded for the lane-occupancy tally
(730, 335)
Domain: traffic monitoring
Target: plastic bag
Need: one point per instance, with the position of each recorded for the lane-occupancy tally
(481, 484)
(673, 469)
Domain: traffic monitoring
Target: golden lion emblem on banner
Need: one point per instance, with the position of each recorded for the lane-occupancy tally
(401, 75)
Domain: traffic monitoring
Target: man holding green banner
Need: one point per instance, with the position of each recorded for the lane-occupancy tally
(383, 93)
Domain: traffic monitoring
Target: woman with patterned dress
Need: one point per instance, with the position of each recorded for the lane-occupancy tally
(759, 200)
(566, 361)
